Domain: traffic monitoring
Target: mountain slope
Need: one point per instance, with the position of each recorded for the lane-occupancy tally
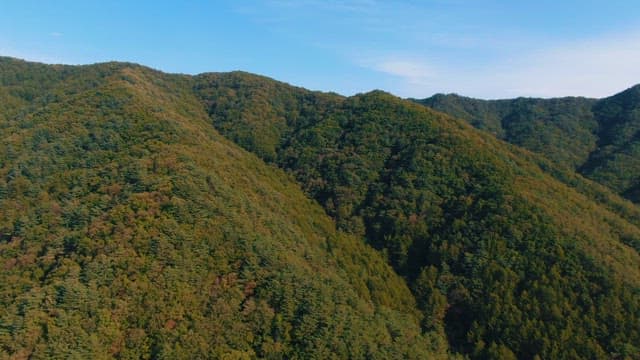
(616, 162)
(130, 228)
(562, 129)
(509, 261)
(598, 138)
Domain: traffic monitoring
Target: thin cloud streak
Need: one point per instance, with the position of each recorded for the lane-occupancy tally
(355, 6)
(592, 68)
(414, 72)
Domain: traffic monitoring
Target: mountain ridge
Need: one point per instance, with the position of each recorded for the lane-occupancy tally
(131, 228)
(596, 137)
(363, 160)
(119, 181)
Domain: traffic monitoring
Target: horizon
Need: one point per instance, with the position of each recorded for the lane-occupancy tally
(323, 91)
(486, 50)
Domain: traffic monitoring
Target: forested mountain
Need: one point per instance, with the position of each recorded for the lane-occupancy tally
(130, 228)
(598, 138)
(144, 215)
(507, 260)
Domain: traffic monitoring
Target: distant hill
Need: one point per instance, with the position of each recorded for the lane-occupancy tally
(228, 215)
(598, 138)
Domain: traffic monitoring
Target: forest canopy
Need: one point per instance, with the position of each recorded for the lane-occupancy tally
(152, 215)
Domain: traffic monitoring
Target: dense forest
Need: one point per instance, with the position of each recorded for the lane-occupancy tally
(503, 257)
(600, 139)
(150, 215)
(129, 228)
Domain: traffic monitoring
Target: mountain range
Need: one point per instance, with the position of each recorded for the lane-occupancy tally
(229, 215)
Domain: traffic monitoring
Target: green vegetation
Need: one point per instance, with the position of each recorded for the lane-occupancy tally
(598, 138)
(132, 225)
(507, 260)
(616, 161)
(129, 228)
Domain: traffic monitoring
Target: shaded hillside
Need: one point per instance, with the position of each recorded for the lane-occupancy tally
(562, 129)
(506, 259)
(598, 138)
(129, 228)
(616, 162)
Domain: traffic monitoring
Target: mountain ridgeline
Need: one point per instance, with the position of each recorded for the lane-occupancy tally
(150, 215)
(600, 139)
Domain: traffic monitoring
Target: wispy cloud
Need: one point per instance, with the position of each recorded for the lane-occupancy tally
(593, 67)
(55, 34)
(355, 6)
(411, 71)
(314, 18)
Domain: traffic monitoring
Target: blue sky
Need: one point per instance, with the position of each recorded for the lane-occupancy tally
(484, 48)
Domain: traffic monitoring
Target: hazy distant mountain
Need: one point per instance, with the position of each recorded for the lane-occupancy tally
(143, 215)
